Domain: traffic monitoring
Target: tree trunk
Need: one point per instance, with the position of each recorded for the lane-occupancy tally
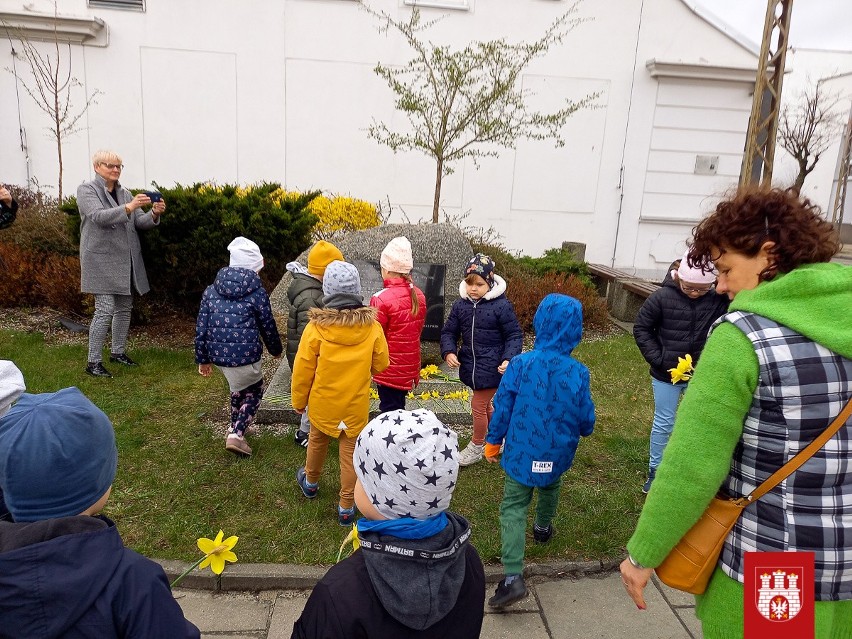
(59, 156)
(800, 177)
(438, 177)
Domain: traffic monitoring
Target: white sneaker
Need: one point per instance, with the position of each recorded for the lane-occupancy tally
(471, 454)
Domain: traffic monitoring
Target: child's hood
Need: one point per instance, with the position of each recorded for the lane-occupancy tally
(347, 326)
(235, 283)
(418, 580)
(496, 291)
(558, 323)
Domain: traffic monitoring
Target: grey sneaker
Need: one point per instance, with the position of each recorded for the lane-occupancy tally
(237, 444)
(647, 485)
(471, 454)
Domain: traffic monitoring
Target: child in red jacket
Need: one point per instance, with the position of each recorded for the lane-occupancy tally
(402, 313)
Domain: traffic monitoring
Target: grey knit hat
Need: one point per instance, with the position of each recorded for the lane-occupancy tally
(408, 463)
(341, 277)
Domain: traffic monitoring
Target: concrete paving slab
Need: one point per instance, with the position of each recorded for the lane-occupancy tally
(224, 612)
(674, 597)
(599, 608)
(687, 616)
(511, 625)
(288, 607)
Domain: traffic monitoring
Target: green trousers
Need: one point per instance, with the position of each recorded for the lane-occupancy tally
(513, 519)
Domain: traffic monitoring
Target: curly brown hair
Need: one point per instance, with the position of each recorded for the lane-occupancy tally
(753, 215)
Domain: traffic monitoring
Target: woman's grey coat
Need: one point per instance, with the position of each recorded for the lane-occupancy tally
(109, 245)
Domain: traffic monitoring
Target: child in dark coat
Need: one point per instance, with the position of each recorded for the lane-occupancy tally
(672, 323)
(542, 408)
(303, 294)
(64, 570)
(485, 321)
(234, 317)
(415, 575)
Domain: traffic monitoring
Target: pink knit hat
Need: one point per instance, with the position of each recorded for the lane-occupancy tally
(397, 256)
(695, 275)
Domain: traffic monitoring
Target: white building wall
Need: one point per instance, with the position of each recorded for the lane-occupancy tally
(209, 89)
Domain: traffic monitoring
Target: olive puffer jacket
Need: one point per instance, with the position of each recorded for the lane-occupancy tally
(489, 333)
(304, 293)
(402, 331)
(339, 351)
(670, 324)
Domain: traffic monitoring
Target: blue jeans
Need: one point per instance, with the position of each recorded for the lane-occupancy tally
(666, 398)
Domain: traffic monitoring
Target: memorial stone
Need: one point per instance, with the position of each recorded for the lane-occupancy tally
(441, 253)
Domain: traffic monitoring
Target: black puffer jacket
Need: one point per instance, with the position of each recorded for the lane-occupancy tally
(670, 324)
(304, 293)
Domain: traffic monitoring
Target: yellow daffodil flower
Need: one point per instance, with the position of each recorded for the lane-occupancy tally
(424, 395)
(374, 394)
(217, 552)
(410, 395)
(353, 537)
(683, 370)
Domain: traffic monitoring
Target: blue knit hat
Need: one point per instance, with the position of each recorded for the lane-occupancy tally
(57, 455)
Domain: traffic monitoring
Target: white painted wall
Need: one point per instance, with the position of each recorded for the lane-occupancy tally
(256, 90)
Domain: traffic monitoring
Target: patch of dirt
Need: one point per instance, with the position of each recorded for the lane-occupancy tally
(166, 328)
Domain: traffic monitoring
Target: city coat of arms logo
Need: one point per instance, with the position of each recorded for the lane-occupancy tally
(779, 595)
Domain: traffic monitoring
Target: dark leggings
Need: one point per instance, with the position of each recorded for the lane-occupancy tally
(391, 398)
(244, 405)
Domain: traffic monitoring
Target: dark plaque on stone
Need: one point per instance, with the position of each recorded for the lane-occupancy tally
(429, 278)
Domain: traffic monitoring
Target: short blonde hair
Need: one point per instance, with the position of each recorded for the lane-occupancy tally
(104, 156)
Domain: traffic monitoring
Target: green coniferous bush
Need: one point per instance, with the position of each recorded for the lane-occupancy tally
(183, 253)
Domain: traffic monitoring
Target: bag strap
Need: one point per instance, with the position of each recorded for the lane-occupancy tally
(802, 456)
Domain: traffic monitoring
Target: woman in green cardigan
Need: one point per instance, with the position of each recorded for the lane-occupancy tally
(775, 372)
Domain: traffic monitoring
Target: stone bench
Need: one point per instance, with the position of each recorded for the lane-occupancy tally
(624, 293)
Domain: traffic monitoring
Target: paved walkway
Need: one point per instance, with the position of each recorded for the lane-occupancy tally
(590, 607)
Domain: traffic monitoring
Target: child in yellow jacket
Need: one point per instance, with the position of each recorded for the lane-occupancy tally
(341, 349)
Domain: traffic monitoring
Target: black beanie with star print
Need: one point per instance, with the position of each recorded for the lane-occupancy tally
(408, 463)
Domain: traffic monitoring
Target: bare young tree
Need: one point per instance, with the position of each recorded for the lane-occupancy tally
(52, 85)
(464, 103)
(808, 126)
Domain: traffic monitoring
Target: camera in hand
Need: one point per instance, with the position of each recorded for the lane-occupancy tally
(155, 196)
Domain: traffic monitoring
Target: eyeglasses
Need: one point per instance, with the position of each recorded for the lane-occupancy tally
(691, 289)
(112, 166)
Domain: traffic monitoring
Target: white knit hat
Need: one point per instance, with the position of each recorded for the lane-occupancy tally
(245, 254)
(695, 275)
(397, 257)
(408, 463)
(11, 385)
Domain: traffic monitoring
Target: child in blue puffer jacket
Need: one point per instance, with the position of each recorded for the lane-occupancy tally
(490, 335)
(541, 410)
(234, 317)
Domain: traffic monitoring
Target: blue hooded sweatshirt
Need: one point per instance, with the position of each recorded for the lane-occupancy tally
(544, 405)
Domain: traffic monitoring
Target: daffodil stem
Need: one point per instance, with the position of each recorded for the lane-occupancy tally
(187, 571)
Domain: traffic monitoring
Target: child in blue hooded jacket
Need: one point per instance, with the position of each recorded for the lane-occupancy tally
(542, 408)
(234, 322)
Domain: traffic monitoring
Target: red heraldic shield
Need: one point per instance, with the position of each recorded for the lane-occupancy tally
(779, 595)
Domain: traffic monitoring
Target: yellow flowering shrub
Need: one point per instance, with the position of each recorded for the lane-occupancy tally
(340, 214)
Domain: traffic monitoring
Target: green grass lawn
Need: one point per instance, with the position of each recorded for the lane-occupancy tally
(176, 482)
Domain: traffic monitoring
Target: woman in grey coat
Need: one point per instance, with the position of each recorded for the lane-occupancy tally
(110, 255)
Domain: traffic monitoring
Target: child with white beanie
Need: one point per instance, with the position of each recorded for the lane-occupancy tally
(673, 322)
(401, 310)
(342, 346)
(234, 321)
(415, 575)
(64, 570)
